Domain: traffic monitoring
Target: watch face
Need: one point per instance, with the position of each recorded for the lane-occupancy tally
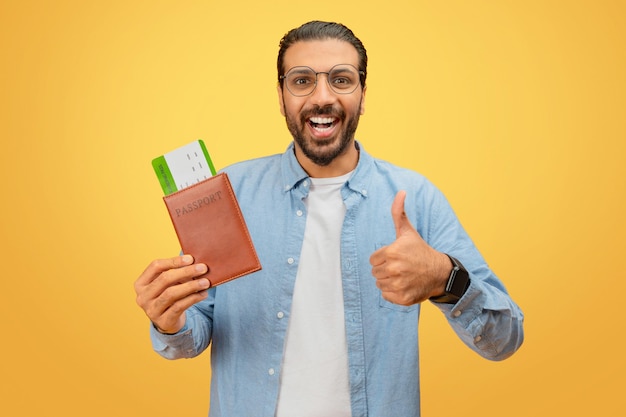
(458, 282)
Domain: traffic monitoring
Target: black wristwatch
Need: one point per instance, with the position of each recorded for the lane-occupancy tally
(457, 284)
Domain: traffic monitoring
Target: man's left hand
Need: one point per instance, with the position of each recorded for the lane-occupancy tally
(408, 271)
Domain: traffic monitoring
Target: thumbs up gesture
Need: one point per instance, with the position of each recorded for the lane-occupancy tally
(408, 271)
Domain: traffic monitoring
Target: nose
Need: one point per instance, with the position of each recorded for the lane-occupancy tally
(323, 94)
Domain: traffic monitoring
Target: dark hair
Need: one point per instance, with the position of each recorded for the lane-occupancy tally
(318, 30)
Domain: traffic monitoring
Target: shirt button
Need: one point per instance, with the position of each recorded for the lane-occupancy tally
(457, 313)
(477, 339)
(280, 315)
(299, 213)
(271, 371)
(305, 183)
(290, 261)
(364, 192)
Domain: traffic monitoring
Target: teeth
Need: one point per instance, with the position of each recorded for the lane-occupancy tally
(321, 120)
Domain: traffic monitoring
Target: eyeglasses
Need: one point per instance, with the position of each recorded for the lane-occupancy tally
(342, 79)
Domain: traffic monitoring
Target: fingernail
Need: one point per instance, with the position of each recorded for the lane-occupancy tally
(204, 283)
(187, 259)
(201, 268)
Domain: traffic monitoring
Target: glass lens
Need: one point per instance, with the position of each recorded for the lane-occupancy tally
(301, 81)
(343, 79)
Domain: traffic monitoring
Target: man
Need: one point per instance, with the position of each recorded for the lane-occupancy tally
(350, 246)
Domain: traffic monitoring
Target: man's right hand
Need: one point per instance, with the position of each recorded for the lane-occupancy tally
(167, 288)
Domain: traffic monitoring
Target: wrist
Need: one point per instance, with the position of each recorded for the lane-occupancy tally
(160, 330)
(168, 331)
(456, 285)
(444, 268)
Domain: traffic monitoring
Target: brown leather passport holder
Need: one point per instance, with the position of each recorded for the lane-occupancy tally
(211, 228)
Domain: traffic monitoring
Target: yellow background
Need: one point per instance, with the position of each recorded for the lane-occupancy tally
(516, 110)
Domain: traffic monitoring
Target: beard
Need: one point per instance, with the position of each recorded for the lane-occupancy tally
(323, 152)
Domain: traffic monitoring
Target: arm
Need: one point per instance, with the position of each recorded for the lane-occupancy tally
(410, 271)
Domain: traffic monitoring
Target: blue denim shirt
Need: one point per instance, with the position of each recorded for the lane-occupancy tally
(246, 320)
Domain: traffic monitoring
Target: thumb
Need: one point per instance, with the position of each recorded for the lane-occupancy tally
(400, 220)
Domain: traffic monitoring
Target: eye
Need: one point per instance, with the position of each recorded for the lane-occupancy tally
(342, 80)
(302, 81)
(301, 78)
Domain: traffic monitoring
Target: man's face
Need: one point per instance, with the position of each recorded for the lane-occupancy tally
(322, 123)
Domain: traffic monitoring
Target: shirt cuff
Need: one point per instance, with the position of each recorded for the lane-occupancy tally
(467, 309)
(161, 341)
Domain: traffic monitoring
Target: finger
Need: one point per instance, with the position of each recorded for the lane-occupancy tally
(159, 266)
(148, 293)
(378, 271)
(378, 257)
(173, 277)
(178, 297)
(400, 220)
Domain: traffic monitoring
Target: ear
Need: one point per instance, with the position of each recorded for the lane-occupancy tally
(363, 100)
(281, 102)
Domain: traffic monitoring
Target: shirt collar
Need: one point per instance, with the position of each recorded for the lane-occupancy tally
(293, 173)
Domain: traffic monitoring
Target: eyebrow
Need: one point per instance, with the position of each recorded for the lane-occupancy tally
(299, 70)
(343, 69)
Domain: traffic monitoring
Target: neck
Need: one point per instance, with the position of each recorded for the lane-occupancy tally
(341, 165)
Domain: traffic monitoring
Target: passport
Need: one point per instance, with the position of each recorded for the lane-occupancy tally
(210, 226)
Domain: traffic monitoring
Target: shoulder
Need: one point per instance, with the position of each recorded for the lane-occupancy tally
(398, 177)
(386, 179)
(255, 175)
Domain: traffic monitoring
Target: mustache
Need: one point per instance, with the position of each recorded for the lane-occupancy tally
(328, 110)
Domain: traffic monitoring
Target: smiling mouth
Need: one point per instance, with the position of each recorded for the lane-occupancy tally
(322, 124)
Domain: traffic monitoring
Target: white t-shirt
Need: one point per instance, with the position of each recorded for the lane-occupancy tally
(314, 378)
